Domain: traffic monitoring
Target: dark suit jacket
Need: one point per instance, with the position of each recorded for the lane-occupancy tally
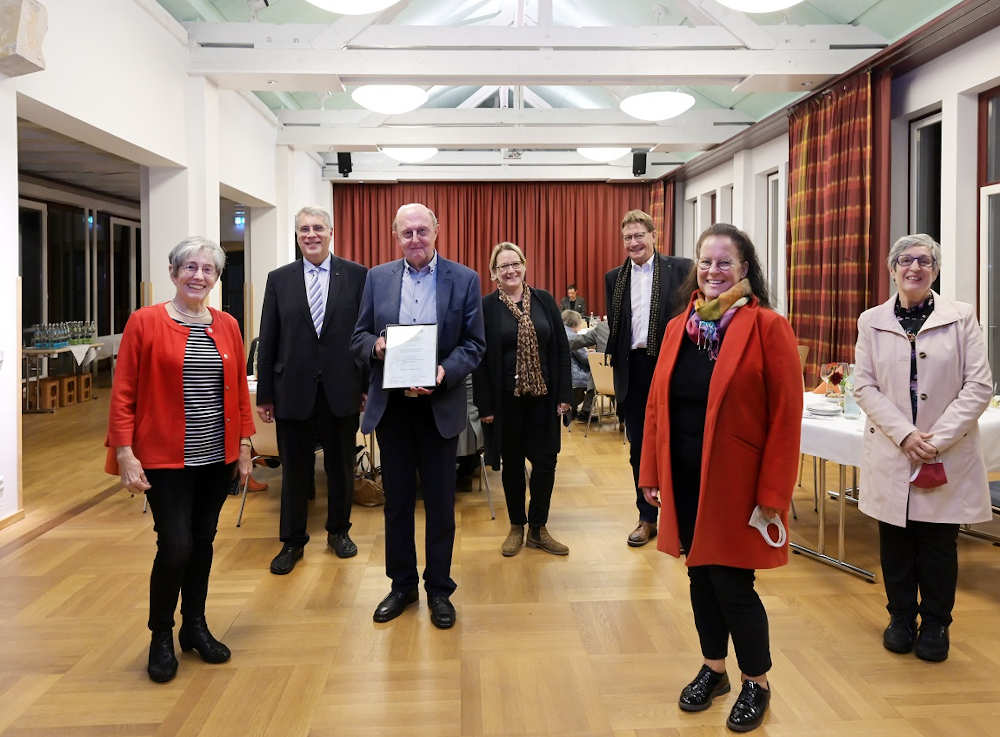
(460, 340)
(291, 359)
(673, 271)
(578, 305)
(489, 379)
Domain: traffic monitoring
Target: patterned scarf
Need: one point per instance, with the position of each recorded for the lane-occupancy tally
(623, 286)
(528, 379)
(708, 321)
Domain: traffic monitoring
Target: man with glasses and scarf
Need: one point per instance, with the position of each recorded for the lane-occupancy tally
(641, 297)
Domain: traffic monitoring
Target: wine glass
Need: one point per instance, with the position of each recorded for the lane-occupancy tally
(825, 369)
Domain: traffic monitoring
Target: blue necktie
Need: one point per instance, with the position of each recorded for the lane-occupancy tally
(316, 306)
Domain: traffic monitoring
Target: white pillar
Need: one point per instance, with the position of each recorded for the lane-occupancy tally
(959, 197)
(10, 308)
(745, 203)
(177, 203)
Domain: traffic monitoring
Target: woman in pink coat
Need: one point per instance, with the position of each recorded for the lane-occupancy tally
(923, 380)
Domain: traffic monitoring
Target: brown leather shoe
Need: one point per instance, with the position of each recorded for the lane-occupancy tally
(544, 541)
(642, 534)
(514, 541)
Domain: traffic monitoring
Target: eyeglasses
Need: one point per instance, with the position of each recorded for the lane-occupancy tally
(640, 236)
(515, 266)
(418, 232)
(192, 268)
(924, 262)
(306, 229)
(722, 264)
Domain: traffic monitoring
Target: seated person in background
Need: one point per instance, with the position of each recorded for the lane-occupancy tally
(583, 382)
(572, 301)
(595, 337)
(470, 440)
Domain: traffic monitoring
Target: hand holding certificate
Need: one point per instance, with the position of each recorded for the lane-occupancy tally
(410, 356)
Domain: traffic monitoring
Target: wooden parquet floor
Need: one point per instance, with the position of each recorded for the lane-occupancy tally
(597, 644)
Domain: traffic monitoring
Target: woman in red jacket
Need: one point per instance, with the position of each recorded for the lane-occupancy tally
(722, 439)
(179, 430)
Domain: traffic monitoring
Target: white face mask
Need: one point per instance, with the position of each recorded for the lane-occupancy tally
(758, 520)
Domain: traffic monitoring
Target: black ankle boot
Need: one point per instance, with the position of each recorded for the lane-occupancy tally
(162, 663)
(194, 635)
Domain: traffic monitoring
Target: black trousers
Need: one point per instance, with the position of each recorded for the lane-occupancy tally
(409, 442)
(528, 426)
(640, 375)
(297, 441)
(185, 503)
(725, 603)
(923, 556)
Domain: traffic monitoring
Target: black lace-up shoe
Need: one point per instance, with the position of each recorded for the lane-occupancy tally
(751, 705)
(900, 634)
(932, 642)
(698, 695)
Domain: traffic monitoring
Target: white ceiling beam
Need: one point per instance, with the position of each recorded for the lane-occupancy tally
(362, 34)
(548, 116)
(256, 69)
(584, 172)
(376, 160)
(534, 99)
(739, 24)
(478, 97)
(686, 138)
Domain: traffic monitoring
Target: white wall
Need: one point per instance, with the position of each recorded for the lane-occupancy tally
(950, 83)
(10, 338)
(247, 149)
(746, 202)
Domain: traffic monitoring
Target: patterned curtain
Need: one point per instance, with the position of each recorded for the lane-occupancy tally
(656, 210)
(668, 218)
(829, 218)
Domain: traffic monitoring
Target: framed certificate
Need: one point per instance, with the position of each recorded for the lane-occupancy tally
(410, 356)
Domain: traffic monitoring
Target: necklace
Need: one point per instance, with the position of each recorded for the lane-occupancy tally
(198, 316)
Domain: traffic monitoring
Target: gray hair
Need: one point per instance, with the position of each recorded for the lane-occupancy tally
(316, 212)
(911, 240)
(426, 209)
(571, 318)
(183, 251)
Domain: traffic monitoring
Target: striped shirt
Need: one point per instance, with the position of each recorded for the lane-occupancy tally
(205, 425)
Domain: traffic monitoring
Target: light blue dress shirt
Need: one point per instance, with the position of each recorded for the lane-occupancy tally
(418, 298)
(323, 276)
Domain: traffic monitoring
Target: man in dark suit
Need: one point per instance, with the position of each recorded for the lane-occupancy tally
(641, 298)
(574, 302)
(418, 428)
(310, 383)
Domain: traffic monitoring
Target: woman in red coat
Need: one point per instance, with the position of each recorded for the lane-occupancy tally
(722, 438)
(179, 430)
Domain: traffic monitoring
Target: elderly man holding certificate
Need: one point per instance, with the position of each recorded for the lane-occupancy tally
(427, 311)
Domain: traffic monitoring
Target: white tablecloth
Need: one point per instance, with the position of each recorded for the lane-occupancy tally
(841, 440)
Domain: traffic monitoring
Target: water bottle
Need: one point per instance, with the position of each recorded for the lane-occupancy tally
(851, 409)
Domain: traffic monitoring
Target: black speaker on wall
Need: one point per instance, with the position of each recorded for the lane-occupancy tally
(344, 165)
(638, 164)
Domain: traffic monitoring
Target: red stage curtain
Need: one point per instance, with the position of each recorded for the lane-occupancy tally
(829, 203)
(569, 231)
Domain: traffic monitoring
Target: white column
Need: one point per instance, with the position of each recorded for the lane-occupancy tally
(177, 203)
(745, 204)
(10, 308)
(959, 197)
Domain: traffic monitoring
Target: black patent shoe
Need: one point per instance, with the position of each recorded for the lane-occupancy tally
(393, 605)
(900, 634)
(194, 635)
(341, 544)
(751, 705)
(698, 695)
(932, 642)
(162, 663)
(285, 561)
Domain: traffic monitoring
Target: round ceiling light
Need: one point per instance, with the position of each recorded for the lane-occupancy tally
(352, 7)
(409, 155)
(759, 6)
(389, 99)
(656, 105)
(603, 155)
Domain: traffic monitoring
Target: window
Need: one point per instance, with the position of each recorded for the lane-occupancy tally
(31, 262)
(67, 263)
(925, 176)
(989, 136)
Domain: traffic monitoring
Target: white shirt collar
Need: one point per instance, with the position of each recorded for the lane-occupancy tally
(428, 268)
(324, 265)
(645, 268)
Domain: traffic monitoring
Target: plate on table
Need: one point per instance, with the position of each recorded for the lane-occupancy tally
(823, 410)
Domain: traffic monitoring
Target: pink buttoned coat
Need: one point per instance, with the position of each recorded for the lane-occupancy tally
(953, 390)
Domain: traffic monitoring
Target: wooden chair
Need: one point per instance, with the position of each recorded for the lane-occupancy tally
(264, 444)
(604, 385)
